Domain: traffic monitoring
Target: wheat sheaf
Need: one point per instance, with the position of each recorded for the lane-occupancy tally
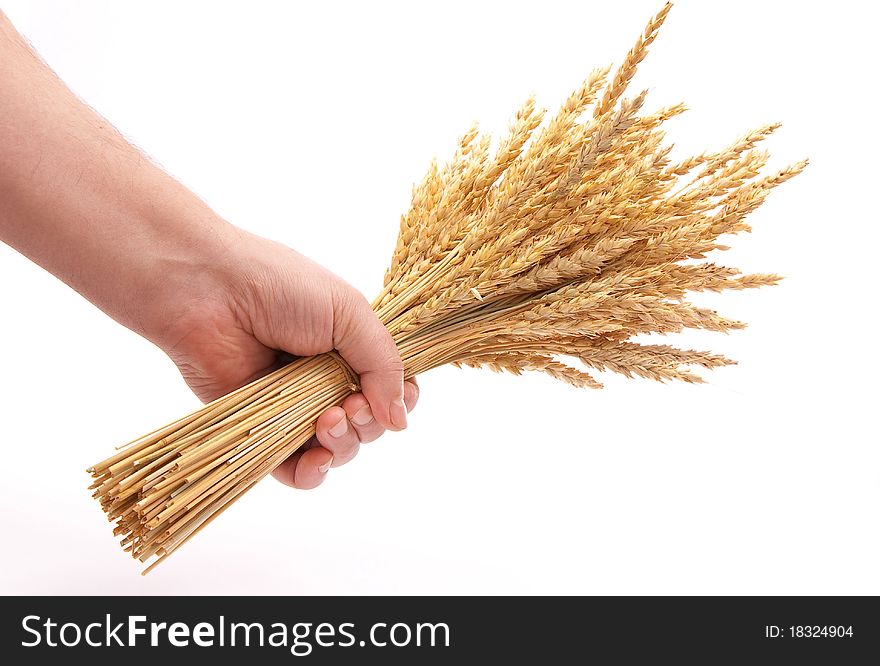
(567, 238)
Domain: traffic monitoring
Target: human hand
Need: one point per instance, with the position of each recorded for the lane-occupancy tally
(263, 302)
(225, 305)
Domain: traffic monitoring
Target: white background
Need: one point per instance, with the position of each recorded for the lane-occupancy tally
(308, 123)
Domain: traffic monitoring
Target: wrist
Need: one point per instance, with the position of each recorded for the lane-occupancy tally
(184, 274)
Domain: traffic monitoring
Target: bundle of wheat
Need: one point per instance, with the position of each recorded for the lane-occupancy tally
(568, 239)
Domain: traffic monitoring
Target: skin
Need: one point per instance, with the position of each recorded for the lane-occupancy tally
(225, 305)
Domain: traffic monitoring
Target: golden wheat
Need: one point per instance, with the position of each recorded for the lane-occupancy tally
(569, 239)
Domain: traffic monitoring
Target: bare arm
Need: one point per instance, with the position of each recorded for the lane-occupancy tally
(79, 200)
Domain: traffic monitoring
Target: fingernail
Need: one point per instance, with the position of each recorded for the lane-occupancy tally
(398, 413)
(326, 466)
(363, 416)
(340, 428)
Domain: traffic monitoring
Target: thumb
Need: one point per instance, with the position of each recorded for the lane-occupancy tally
(367, 346)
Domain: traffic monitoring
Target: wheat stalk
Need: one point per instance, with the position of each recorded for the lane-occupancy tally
(569, 239)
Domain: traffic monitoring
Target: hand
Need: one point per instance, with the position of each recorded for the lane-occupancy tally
(225, 305)
(266, 302)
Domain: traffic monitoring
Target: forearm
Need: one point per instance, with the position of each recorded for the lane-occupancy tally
(79, 200)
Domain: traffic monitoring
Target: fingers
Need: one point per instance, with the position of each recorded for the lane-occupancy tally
(336, 434)
(305, 469)
(361, 418)
(369, 349)
(339, 433)
(411, 393)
